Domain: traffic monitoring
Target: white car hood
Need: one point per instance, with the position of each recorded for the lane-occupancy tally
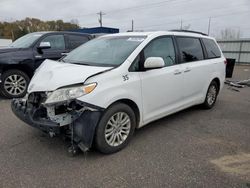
(52, 75)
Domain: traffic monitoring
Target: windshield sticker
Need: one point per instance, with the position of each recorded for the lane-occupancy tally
(136, 39)
(37, 35)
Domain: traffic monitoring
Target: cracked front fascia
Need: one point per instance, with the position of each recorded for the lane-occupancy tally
(83, 121)
(68, 117)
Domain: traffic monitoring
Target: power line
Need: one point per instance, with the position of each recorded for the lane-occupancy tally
(157, 18)
(148, 5)
(175, 22)
(182, 15)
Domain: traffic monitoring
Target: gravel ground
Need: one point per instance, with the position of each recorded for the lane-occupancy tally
(193, 148)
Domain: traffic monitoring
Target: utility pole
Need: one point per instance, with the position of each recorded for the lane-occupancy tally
(209, 24)
(181, 24)
(132, 28)
(100, 17)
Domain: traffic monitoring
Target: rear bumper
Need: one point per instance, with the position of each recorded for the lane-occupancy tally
(31, 117)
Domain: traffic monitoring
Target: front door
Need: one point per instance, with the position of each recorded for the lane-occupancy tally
(57, 43)
(161, 88)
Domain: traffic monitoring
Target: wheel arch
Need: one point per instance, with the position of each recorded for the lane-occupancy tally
(217, 80)
(26, 69)
(133, 106)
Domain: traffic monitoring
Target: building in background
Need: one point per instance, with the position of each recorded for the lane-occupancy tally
(238, 49)
(5, 42)
(97, 30)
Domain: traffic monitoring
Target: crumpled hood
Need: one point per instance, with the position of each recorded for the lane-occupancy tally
(52, 75)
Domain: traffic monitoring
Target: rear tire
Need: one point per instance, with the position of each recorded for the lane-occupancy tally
(115, 129)
(211, 95)
(14, 83)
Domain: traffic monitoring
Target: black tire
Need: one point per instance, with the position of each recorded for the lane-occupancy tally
(1, 93)
(101, 143)
(19, 93)
(207, 103)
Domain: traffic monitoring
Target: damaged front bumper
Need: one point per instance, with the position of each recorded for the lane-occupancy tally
(77, 117)
(32, 118)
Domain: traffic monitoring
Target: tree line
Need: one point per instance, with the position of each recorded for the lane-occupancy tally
(16, 29)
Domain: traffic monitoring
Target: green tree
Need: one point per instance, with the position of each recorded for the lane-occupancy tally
(16, 29)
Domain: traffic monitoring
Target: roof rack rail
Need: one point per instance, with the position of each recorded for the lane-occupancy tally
(189, 31)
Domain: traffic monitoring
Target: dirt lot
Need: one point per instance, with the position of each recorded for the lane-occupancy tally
(193, 148)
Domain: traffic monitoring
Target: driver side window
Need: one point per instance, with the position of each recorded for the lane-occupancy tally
(161, 47)
(56, 42)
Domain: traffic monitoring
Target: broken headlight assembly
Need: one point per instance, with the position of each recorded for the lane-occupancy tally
(69, 93)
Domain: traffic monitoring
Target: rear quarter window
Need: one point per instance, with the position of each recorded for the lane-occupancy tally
(211, 48)
(76, 40)
(190, 49)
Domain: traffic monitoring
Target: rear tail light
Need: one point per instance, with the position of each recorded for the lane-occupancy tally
(225, 62)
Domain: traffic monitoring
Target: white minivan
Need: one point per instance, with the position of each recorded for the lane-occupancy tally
(105, 89)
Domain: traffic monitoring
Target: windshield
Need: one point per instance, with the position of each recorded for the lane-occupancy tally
(105, 51)
(26, 41)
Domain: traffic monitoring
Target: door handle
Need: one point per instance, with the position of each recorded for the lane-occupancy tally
(177, 71)
(64, 53)
(38, 56)
(187, 69)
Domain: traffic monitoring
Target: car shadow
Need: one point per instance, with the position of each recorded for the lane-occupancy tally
(165, 123)
(170, 118)
(2, 98)
(57, 142)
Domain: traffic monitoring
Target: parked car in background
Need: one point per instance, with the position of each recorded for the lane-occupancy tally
(100, 92)
(19, 61)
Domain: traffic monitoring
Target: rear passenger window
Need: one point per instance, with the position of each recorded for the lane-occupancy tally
(161, 47)
(190, 49)
(211, 48)
(76, 40)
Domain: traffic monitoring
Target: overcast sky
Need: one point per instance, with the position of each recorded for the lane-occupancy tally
(147, 14)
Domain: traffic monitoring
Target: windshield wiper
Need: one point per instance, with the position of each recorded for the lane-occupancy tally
(80, 63)
(61, 60)
(89, 63)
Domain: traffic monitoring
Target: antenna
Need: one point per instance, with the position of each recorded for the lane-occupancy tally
(132, 26)
(209, 25)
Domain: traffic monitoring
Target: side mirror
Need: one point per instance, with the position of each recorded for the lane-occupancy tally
(154, 63)
(44, 45)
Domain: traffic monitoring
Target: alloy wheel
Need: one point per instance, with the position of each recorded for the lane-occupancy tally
(117, 129)
(15, 84)
(211, 95)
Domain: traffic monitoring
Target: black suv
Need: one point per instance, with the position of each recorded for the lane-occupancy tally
(19, 61)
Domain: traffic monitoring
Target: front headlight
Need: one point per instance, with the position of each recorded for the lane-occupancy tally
(68, 93)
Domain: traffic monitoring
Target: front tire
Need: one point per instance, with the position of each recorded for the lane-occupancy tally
(115, 128)
(14, 83)
(211, 95)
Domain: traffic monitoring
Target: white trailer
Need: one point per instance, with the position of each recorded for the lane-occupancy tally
(5, 42)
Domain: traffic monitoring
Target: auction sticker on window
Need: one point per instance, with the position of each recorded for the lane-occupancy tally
(136, 39)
